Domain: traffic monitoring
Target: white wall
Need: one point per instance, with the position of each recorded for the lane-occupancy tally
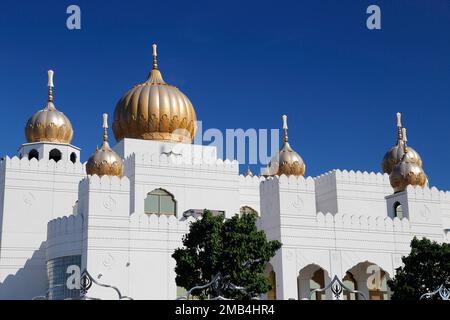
(132, 252)
(34, 192)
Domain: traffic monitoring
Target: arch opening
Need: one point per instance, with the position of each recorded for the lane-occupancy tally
(398, 210)
(371, 280)
(310, 278)
(73, 157)
(55, 155)
(33, 154)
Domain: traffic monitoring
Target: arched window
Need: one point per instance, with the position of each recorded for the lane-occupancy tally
(350, 282)
(398, 210)
(33, 154)
(247, 210)
(55, 155)
(159, 201)
(73, 157)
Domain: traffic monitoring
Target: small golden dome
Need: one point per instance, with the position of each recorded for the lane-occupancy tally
(155, 110)
(249, 173)
(105, 161)
(395, 153)
(408, 171)
(49, 124)
(286, 161)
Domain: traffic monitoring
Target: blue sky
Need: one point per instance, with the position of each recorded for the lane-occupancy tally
(244, 64)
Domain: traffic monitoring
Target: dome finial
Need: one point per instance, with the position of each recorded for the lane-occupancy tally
(50, 85)
(404, 140)
(155, 55)
(105, 127)
(399, 127)
(285, 128)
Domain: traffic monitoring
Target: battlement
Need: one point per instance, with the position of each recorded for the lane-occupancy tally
(352, 176)
(251, 181)
(106, 183)
(147, 222)
(64, 225)
(362, 222)
(174, 161)
(64, 236)
(424, 193)
(42, 165)
(289, 182)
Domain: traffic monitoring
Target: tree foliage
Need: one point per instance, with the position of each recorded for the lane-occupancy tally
(234, 247)
(425, 269)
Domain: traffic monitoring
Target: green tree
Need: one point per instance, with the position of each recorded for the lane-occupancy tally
(234, 247)
(425, 269)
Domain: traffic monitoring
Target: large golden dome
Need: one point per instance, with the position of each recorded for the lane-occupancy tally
(105, 161)
(286, 161)
(408, 171)
(49, 124)
(155, 110)
(395, 153)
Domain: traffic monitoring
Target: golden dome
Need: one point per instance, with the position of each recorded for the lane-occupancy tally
(49, 124)
(105, 161)
(408, 171)
(286, 161)
(395, 153)
(155, 110)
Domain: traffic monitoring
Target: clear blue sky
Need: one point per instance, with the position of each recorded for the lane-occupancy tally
(243, 64)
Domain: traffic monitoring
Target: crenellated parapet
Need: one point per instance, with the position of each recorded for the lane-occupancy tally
(105, 183)
(177, 161)
(352, 191)
(362, 222)
(251, 181)
(104, 196)
(43, 165)
(160, 223)
(64, 236)
(249, 193)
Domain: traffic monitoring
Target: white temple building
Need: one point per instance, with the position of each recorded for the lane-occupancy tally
(121, 215)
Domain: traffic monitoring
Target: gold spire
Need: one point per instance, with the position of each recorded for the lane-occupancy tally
(105, 128)
(50, 86)
(405, 148)
(399, 127)
(155, 76)
(285, 128)
(155, 55)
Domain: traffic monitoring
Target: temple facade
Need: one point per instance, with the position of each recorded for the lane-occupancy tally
(121, 215)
